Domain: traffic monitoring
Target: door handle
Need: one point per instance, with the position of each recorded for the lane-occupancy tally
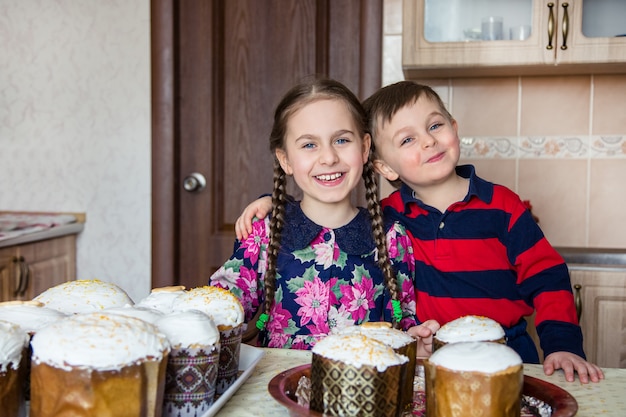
(194, 182)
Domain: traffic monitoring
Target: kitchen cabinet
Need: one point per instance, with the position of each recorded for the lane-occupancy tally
(27, 269)
(600, 294)
(444, 38)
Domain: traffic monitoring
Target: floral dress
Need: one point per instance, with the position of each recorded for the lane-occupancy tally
(326, 278)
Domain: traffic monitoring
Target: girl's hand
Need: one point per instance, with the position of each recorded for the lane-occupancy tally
(571, 363)
(424, 334)
(258, 208)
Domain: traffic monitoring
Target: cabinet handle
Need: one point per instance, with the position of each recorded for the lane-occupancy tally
(578, 301)
(550, 25)
(18, 281)
(565, 26)
(23, 276)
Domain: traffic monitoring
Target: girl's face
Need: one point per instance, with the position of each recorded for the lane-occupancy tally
(324, 152)
(419, 145)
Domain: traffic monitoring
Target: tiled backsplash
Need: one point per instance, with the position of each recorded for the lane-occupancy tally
(559, 142)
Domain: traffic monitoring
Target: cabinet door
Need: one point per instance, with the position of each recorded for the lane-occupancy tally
(601, 294)
(7, 266)
(29, 269)
(591, 31)
(445, 38)
(48, 263)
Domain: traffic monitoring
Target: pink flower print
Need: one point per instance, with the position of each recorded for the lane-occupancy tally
(392, 243)
(279, 319)
(255, 240)
(339, 318)
(299, 343)
(278, 340)
(400, 247)
(358, 298)
(247, 282)
(313, 297)
(224, 278)
(326, 252)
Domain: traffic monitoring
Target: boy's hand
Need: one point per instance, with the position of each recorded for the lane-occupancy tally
(424, 335)
(571, 363)
(259, 208)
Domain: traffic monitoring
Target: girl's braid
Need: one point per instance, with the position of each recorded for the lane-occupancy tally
(276, 227)
(378, 230)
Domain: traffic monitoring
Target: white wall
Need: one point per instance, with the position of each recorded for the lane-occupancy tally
(75, 126)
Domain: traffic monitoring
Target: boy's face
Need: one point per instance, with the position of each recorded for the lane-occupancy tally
(419, 146)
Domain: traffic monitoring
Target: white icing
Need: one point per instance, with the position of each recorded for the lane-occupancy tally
(161, 298)
(98, 341)
(223, 306)
(13, 341)
(391, 337)
(470, 329)
(146, 314)
(30, 317)
(190, 328)
(486, 357)
(84, 296)
(358, 350)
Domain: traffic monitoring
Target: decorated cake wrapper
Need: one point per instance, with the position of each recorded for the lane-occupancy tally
(190, 381)
(131, 391)
(12, 401)
(230, 346)
(339, 389)
(497, 394)
(407, 375)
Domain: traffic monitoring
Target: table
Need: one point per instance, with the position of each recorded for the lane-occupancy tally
(607, 398)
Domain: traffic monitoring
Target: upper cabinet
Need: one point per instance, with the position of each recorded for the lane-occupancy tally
(460, 38)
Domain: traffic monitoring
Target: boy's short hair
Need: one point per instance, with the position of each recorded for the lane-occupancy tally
(385, 103)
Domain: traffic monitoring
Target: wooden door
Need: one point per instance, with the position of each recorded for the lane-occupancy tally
(218, 69)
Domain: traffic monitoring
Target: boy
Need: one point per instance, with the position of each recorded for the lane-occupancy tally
(477, 249)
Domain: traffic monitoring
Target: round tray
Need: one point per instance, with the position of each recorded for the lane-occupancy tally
(283, 388)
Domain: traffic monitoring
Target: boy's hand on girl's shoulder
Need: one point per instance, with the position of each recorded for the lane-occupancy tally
(258, 208)
(571, 363)
(424, 334)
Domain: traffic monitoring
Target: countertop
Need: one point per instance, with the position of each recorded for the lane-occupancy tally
(593, 256)
(17, 228)
(606, 398)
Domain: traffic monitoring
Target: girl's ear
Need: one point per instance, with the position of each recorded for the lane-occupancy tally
(367, 145)
(283, 161)
(385, 170)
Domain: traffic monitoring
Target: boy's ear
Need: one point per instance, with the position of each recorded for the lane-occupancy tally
(283, 161)
(385, 170)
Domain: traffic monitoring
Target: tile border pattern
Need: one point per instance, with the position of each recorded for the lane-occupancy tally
(548, 147)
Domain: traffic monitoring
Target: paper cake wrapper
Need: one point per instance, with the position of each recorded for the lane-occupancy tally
(338, 389)
(457, 393)
(133, 391)
(12, 401)
(190, 381)
(408, 375)
(230, 346)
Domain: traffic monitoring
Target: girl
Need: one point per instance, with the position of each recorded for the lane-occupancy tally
(320, 263)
